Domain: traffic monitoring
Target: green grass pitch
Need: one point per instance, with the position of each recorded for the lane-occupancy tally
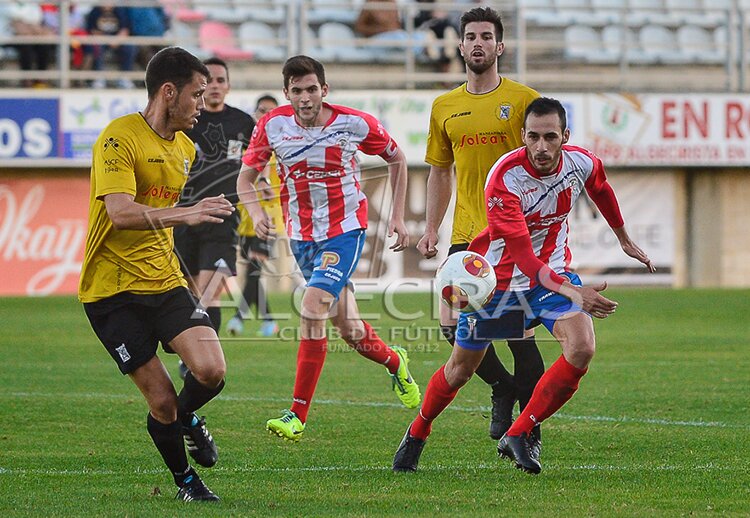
(659, 427)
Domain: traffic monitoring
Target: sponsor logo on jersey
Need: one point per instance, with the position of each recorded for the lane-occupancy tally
(163, 192)
(461, 114)
(494, 201)
(155, 160)
(319, 174)
(111, 143)
(482, 139)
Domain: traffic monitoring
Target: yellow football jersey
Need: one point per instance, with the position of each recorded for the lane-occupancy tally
(473, 131)
(130, 158)
(272, 206)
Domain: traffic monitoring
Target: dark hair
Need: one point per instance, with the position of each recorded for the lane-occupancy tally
(217, 61)
(482, 14)
(172, 65)
(545, 106)
(299, 66)
(266, 97)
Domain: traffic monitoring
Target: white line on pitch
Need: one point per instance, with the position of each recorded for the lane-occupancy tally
(376, 404)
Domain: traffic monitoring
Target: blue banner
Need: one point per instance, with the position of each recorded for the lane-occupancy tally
(29, 128)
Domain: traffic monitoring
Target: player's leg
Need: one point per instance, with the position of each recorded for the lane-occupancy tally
(186, 330)
(361, 337)
(491, 370)
(165, 429)
(313, 346)
(441, 390)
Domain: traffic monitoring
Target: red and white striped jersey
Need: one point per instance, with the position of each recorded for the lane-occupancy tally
(521, 201)
(321, 195)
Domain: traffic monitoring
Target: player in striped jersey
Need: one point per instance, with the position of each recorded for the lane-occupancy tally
(529, 195)
(325, 210)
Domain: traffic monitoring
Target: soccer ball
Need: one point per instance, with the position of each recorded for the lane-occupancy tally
(465, 281)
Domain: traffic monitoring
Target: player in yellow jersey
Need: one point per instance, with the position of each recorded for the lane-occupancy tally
(254, 250)
(471, 127)
(131, 286)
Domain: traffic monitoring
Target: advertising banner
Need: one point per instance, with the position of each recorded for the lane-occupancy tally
(42, 234)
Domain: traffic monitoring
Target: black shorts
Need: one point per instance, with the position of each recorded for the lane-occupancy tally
(254, 245)
(458, 247)
(198, 250)
(131, 326)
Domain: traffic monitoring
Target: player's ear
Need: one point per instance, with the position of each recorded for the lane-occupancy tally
(500, 48)
(566, 136)
(286, 94)
(324, 89)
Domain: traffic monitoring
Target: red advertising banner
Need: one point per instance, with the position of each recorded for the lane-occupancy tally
(42, 234)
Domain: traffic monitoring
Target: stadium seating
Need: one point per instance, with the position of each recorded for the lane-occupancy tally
(262, 41)
(702, 46)
(339, 40)
(219, 38)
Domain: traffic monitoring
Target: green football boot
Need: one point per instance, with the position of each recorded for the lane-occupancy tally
(404, 385)
(288, 426)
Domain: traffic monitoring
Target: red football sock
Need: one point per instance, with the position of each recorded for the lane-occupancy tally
(437, 397)
(373, 348)
(553, 390)
(310, 358)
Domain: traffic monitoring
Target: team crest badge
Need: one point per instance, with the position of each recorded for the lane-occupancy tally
(111, 142)
(503, 112)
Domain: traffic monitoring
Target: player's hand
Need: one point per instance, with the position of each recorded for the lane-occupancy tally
(593, 303)
(214, 209)
(263, 225)
(402, 241)
(636, 253)
(427, 245)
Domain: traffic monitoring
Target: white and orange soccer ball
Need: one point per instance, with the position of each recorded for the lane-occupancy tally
(465, 281)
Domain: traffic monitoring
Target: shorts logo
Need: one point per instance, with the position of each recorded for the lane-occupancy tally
(471, 324)
(123, 352)
(329, 259)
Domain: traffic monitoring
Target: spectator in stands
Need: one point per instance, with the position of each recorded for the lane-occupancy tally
(439, 21)
(148, 21)
(381, 20)
(27, 20)
(109, 20)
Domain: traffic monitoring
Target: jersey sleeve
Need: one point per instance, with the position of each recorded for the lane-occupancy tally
(439, 148)
(504, 214)
(113, 162)
(259, 151)
(602, 194)
(377, 141)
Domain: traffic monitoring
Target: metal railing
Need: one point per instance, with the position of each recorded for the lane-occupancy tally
(535, 54)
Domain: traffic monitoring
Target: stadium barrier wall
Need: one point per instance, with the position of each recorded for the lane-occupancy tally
(678, 163)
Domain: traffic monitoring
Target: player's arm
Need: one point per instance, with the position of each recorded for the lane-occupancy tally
(398, 177)
(248, 195)
(601, 193)
(127, 214)
(263, 183)
(439, 187)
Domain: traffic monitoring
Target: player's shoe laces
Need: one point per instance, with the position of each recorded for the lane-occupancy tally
(518, 449)
(502, 414)
(268, 328)
(404, 385)
(182, 369)
(235, 326)
(200, 444)
(193, 489)
(535, 443)
(288, 426)
(408, 453)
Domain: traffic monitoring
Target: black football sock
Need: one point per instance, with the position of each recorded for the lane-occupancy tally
(168, 440)
(214, 313)
(493, 373)
(529, 367)
(250, 292)
(193, 396)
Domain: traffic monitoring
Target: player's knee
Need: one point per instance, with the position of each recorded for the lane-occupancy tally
(164, 407)
(458, 374)
(211, 375)
(583, 351)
